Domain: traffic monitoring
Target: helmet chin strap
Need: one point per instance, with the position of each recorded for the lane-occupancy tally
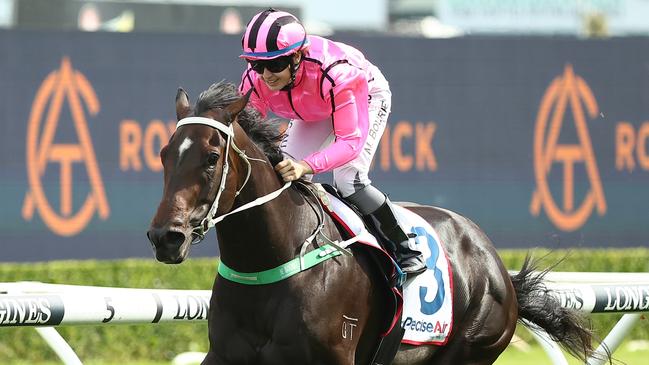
(293, 68)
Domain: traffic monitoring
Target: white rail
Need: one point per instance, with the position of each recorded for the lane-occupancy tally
(38, 304)
(46, 305)
(599, 292)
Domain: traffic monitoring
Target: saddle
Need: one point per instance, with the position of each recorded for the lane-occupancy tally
(391, 272)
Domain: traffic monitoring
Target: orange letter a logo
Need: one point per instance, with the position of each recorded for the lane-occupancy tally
(69, 84)
(567, 92)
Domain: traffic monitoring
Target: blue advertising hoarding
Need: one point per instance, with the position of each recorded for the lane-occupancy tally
(541, 141)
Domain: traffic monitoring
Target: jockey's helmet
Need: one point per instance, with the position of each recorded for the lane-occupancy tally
(272, 34)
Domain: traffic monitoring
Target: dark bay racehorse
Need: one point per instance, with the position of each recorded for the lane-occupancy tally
(301, 320)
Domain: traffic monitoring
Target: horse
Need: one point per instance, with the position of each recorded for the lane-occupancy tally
(218, 171)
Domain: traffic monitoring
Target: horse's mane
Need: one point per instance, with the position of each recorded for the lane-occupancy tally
(265, 133)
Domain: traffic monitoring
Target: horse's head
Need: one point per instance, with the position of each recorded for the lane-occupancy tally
(193, 162)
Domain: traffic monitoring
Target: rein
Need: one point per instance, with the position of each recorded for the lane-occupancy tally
(211, 219)
(303, 262)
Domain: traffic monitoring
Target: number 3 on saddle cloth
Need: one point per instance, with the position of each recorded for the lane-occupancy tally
(425, 306)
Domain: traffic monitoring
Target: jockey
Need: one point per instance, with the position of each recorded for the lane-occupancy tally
(338, 105)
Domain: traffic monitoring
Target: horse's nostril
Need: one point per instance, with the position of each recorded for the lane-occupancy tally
(153, 236)
(173, 238)
(164, 237)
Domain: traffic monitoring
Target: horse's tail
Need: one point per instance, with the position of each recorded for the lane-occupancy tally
(539, 308)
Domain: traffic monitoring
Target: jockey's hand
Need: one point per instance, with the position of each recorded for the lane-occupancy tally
(291, 170)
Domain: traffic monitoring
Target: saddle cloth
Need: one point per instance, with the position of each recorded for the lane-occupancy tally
(428, 297)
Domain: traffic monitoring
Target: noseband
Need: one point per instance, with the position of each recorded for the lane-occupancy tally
(210, 220)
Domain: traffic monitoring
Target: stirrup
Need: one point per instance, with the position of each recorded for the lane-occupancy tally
(418, 270)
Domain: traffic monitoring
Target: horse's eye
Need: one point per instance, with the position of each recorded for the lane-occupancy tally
(213, 158)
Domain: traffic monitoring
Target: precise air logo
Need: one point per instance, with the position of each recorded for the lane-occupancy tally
(568, 93)
(65, 85)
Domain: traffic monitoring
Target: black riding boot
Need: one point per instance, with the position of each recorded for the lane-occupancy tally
(410, 261)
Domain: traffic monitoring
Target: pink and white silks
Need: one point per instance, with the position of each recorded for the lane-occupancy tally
(338, 109)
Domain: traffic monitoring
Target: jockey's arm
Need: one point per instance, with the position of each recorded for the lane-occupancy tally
(348, 137)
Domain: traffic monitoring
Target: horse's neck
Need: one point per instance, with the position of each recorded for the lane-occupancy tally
(265, 236)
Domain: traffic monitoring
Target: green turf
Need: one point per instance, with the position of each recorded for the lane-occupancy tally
(536, 356)
(512, 356)
(124, 344)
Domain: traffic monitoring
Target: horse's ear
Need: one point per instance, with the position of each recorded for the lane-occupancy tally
(237, 106)
(183, 108)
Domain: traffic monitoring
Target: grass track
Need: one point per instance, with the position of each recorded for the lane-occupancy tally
(512, 356)
(536, 356)
(124, 344)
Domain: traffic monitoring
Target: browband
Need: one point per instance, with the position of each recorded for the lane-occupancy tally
(207, 121)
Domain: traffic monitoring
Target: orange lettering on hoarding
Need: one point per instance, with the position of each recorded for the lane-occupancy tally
(566, 92)
(156, 130)
(130, 142)
(422, 156)
(627, 141)
(69, 84)
(643, 135)
(401, 130)
(133, 146)
(624, 146)
(424, 153)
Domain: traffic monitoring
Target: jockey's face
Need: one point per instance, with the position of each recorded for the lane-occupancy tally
(278, 80)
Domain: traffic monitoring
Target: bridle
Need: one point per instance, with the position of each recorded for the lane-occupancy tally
(210, 220)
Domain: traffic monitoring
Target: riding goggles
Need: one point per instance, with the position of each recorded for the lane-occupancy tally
(274, 65)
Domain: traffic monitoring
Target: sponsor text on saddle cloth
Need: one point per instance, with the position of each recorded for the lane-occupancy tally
(428, 310)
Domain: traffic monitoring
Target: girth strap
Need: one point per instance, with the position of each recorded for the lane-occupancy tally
(281, 272)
